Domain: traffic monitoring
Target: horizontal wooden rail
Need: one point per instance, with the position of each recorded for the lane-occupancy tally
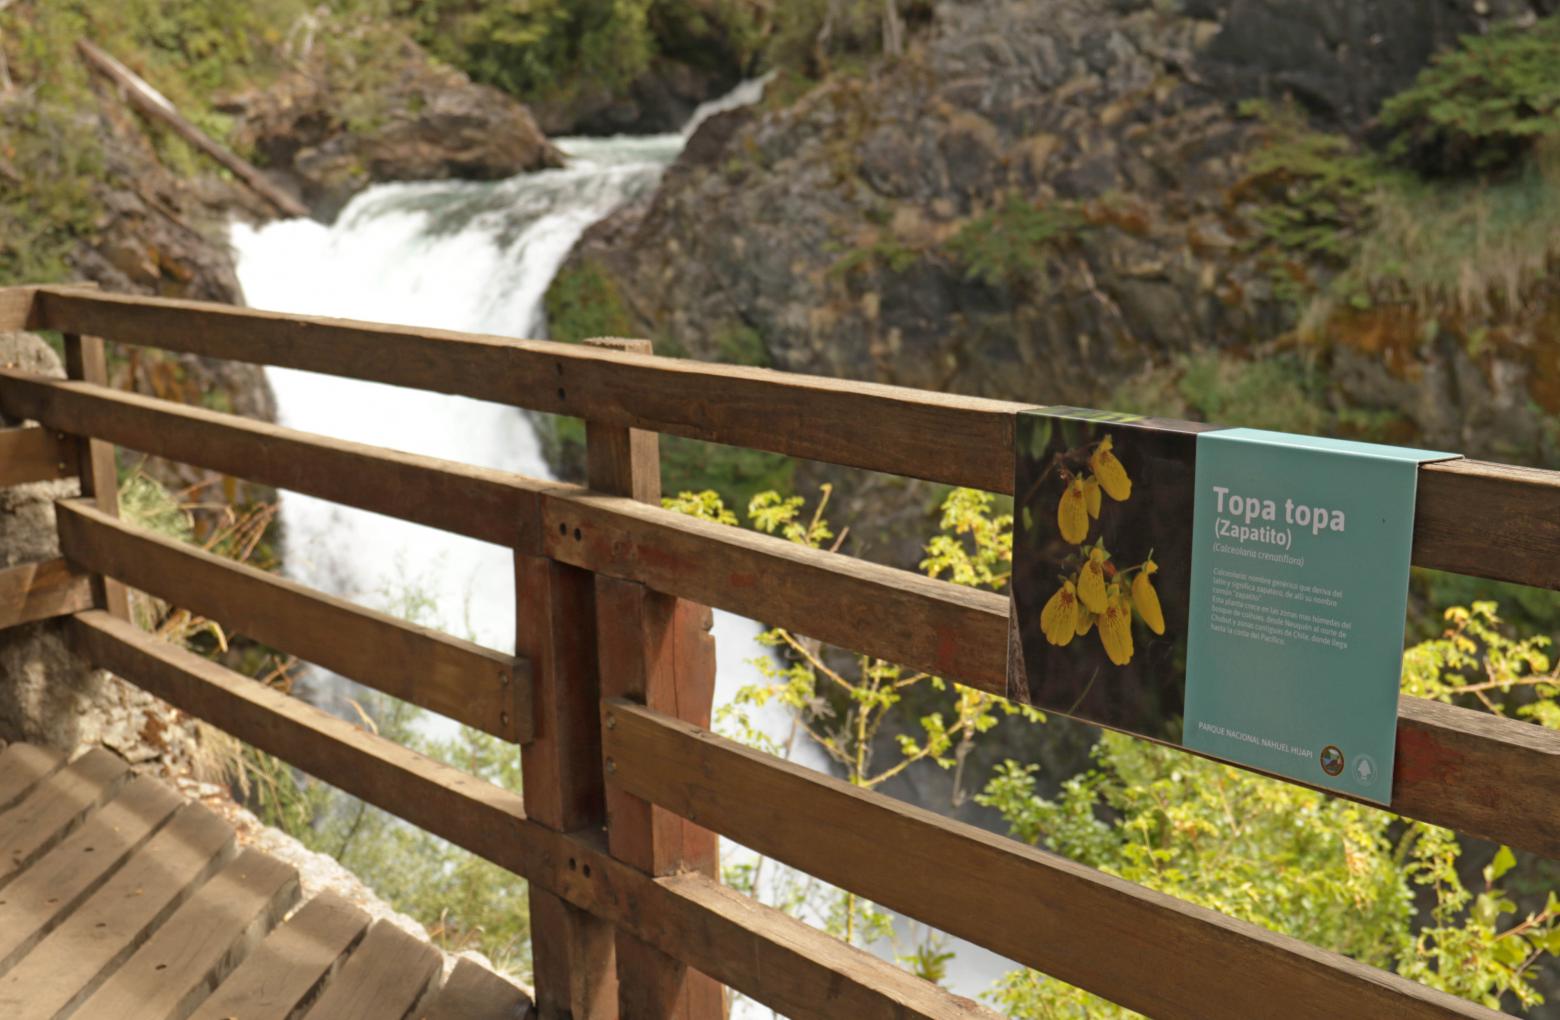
(1456, 767)
(759, 951)
(961, 440)
(917, 433)
(1489, 520)
(38, 591)
(471, 684)
(470, 501)
(894, 614)
(32, 454)
(1143, 949)
(1461, 768)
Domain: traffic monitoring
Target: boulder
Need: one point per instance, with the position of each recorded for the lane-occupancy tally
(332, 130)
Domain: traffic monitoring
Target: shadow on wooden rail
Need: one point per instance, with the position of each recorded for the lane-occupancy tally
(623, 881)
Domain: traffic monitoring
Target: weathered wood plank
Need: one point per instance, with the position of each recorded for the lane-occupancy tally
(438, 798)
(469, 683)
(43, 895)
(39, 591)
(69, 964)
(201, 943)
(33, 454)
(1145, 950)
(383, 978)
(573, 959)
(1479, 774)
(87, 360)
(55, 807)
(288, 970)
(473, 992)
(648, 651)
(824, 978)
(21, 767)
(942, 437)
(898, 615)
(16, 308)
(1489, 520)
(489, 505)
(787, 965)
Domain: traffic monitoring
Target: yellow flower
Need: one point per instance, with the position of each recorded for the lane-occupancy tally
(1072, 514)
(1085, 622)
(1146, 599)
(1091, 490)
(1091, 581)
(1059, 618)
(1113, 477)
(1116, 627)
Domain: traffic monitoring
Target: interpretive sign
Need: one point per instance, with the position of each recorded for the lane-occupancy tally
(1239, 592)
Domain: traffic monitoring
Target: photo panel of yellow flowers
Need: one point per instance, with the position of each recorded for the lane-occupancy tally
(1097, 593)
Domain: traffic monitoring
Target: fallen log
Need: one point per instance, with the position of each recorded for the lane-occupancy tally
(152, 103)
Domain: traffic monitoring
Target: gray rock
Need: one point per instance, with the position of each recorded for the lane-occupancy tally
(47, 695)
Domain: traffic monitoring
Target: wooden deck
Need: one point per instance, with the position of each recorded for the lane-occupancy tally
(120, 899)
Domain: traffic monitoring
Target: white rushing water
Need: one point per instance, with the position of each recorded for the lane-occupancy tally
(475, 257)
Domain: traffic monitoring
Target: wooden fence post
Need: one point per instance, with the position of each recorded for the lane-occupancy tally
(86, 359)
(572, 950)
(657, 650)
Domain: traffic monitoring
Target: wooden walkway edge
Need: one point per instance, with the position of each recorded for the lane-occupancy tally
(121, 900)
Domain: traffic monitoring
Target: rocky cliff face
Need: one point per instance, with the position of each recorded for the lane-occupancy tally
(1062, 202)
(1341, 58)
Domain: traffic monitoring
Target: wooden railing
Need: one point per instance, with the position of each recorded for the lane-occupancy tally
(609, 691)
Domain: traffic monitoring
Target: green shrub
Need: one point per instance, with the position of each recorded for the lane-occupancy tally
(583, 302)
(531, 49)
(1473, 246)
(739, 344)
(1481, 106)
(1314, 189)
(1010, 244)
(49, 156)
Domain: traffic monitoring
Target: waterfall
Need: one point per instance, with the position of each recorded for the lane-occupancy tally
(475, 257)
(455, 255)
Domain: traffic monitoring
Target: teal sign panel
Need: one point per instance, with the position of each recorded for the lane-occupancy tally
(1299, 590)
(1239, 592)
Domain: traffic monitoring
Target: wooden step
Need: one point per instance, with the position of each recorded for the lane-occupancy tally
(382, 980)
(21, 766)
(201, 943)
(54, 807)
(45, 893)
(474, 991)
(290, 967)
(70, 963)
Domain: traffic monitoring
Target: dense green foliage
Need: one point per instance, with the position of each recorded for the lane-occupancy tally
(1337, 874)
(552, 49)
(583, 303)
(532, 49)
(1009, 244)
(1481, 106)
(49, 154)
(1314, 194)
